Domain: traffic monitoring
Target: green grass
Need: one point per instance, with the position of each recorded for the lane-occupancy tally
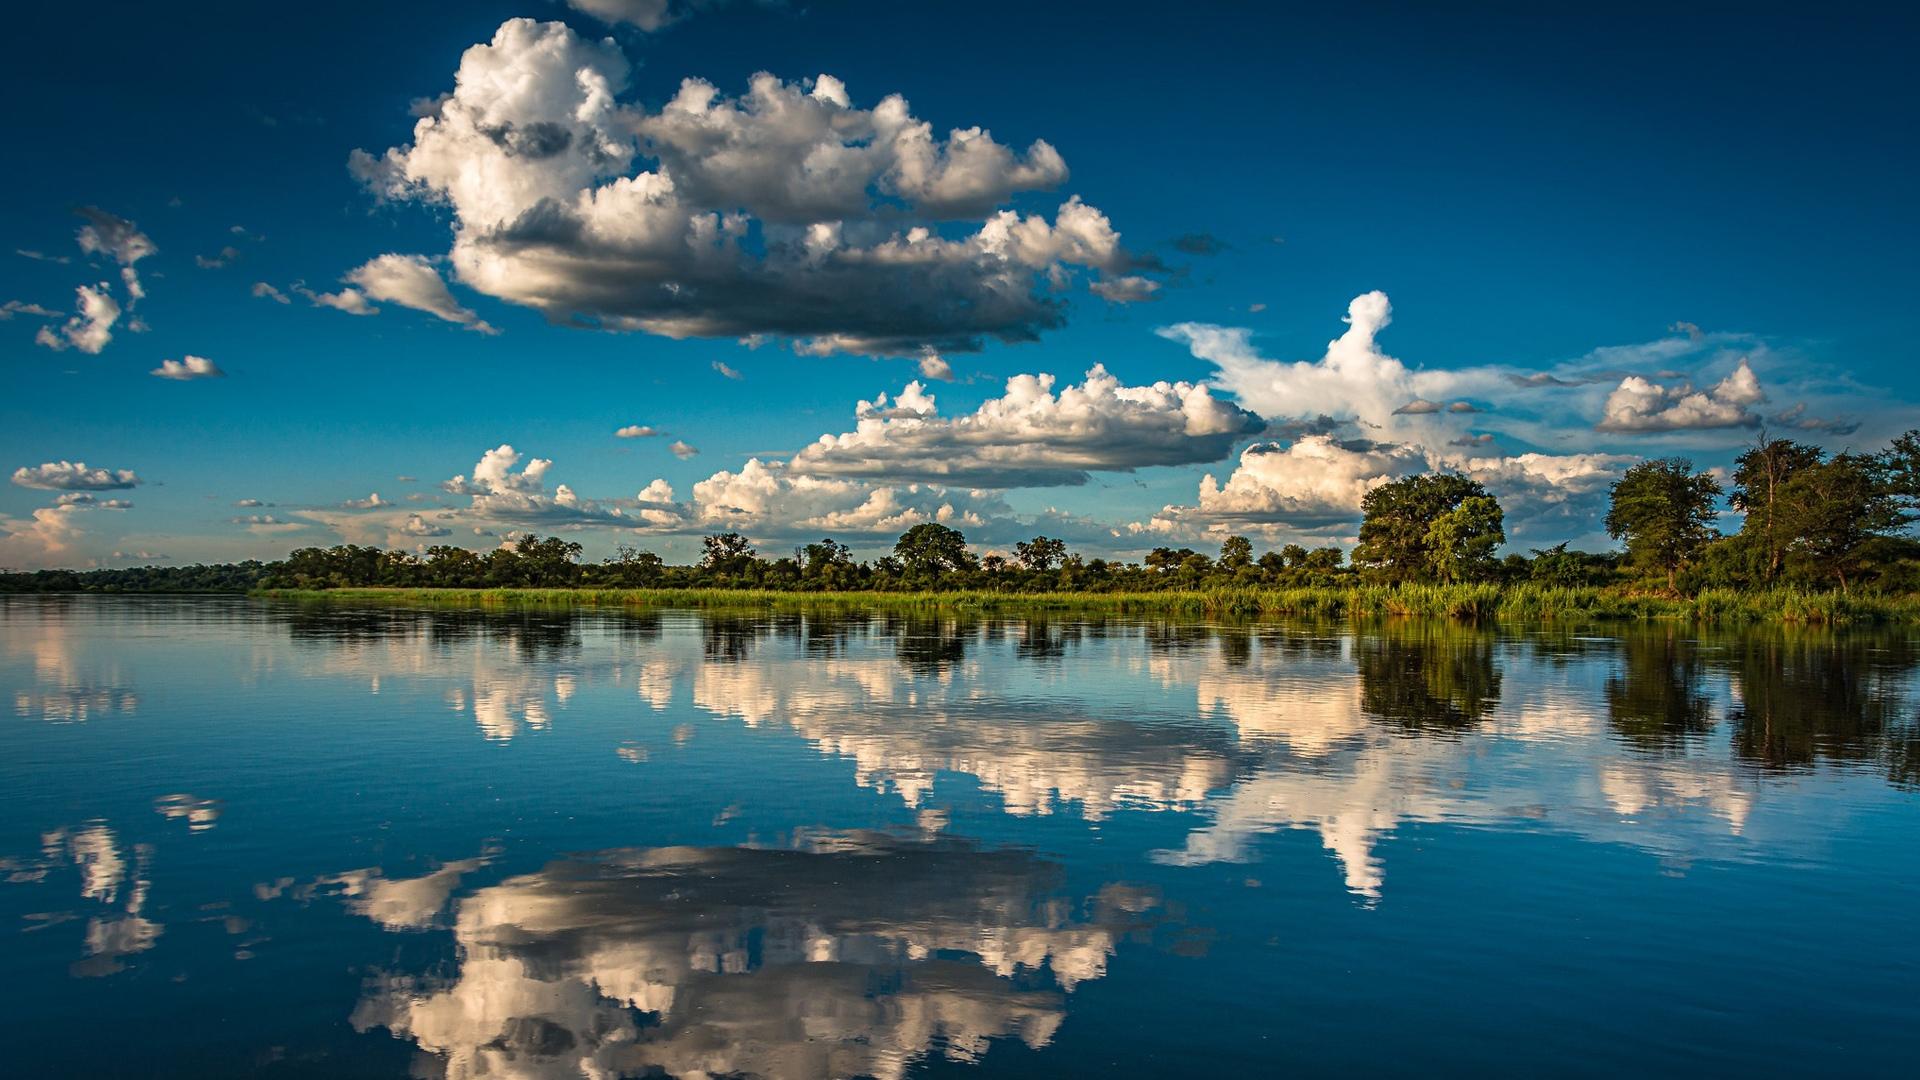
(1529, 603)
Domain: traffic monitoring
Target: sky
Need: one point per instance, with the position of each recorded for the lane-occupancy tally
(637, 271)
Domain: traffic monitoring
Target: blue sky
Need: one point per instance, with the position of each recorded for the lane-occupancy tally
(1693, 222)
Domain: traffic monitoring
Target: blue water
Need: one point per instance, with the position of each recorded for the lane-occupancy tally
(243, 838)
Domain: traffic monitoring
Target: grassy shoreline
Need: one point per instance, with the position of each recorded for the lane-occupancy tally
(1472, 602)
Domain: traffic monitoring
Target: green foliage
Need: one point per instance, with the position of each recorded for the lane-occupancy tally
(727, 554)
(1236, 553)
(548, 562)
(1902, 464)
(197, 578)
(1833, 511)
(1558, 566)
(1460, 542)
(1466, 603)
(1040, 554)
(1665, 512)
(634, 569)
(1758, 477)
(930, 549)
(1406, 518)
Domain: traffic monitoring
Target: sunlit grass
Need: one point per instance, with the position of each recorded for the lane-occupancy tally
(1533, 603)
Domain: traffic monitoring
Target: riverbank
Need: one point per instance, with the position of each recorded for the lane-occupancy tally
(1470, 602)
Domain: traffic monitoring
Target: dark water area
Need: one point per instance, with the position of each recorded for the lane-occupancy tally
(248, 838)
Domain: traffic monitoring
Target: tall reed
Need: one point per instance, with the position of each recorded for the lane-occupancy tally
(1523, 602)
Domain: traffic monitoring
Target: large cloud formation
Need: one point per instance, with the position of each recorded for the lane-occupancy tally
(1315, 482)
(1641, 404)
(904, 464)
(1031, 436)
(1354, 378)
(787, 211)
(501, 494)
(508, 491)
(766, 498)
(51, 537)
(73, 476)
(1397, 426)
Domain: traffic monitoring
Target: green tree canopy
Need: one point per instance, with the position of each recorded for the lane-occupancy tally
(1041, 553)
(727, 554)
(1236, 553)
(1398, 535)
(1664, 511)
(1460, 542)
(1903, 470)
(1833, 511)
(1758, 476)
(931, 549)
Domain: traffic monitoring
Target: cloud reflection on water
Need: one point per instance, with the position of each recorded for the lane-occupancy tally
(849, 954)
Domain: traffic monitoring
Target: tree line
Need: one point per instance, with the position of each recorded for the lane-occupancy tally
(1810, 519)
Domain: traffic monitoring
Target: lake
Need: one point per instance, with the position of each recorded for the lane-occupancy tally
(248, 837)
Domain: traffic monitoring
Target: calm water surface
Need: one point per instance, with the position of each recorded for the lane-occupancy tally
(242, 838)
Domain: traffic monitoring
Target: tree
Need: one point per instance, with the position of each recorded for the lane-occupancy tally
(931, 549)
(1323, 560)
(1040, 554)
(1558, 566)
(454, 567)
(1664, 511)
(1236, 553)
(1460, 542)
(633, 568)
(1758, 476)
(820, 557)
(826, 565)
(1902, 463)
(726, 553)
(1833, 510)
(549, 562)
(1398, 534)
(1164, 559)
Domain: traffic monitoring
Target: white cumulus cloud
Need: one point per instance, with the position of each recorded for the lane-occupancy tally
(73, 476)
(1030, 435)
(1642, 405)
(191, 367)
(90, 329)
(118, 239)
(411, 281)
(350, 300)
(1315, 482)
(786, 211)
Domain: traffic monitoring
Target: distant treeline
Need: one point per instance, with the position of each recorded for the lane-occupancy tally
(1811, 521)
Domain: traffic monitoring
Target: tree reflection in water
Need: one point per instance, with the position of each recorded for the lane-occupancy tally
(1810, 695)
(1655, 697)
(1616, 758)
(1427, 676)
